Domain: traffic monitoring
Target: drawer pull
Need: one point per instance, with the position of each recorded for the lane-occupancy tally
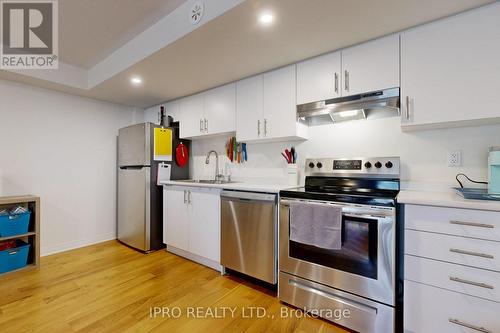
(475, 254)
(337, 298)
(477, 284)
(472, 327)
(472, 224)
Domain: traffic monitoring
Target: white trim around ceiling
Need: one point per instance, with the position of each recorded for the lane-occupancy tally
(164, 32)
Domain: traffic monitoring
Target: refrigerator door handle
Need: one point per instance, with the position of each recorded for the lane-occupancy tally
(147, 227)
(132, 167)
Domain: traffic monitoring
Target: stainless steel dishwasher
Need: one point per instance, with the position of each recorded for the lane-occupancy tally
(249, 234)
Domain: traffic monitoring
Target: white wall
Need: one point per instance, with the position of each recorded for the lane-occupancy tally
(423, 153)
(62, 148)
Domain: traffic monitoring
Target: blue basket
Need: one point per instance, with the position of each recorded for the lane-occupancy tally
(16, 258)
(14, 224)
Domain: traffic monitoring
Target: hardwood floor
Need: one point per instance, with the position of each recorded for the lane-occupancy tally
(110, 288)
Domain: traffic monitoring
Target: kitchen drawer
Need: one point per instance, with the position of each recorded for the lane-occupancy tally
(463, 279)
(453, 221)
(459, 250)
(431, 310)
(363, 315)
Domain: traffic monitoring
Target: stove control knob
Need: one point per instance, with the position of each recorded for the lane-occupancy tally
(311, 165)
(378, 165)
(368, 165)
(319, 165)
(389, 165)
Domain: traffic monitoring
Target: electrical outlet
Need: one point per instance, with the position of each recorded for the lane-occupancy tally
(455, 158)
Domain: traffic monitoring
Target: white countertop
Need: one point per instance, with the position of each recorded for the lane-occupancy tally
(445, 199)
(242, 186)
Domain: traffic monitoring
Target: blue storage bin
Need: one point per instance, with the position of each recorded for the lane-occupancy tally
(14, 224)
(16, 258)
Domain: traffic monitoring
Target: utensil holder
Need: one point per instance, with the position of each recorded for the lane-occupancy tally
(293, 174)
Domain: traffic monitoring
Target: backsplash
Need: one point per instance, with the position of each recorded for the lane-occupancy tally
(423, 153)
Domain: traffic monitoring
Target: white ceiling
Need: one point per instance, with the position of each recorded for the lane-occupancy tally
(232, 45)
(90, 30)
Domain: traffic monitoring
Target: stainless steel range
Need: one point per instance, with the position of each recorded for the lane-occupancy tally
(359, 277)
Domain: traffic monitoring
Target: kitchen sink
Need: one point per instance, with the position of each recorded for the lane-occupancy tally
(206, 181)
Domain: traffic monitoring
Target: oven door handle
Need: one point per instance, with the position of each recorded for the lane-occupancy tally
(368, 216)
(363, 214)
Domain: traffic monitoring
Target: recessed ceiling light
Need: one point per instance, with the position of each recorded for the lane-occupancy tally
(266, 18)
(136, 80)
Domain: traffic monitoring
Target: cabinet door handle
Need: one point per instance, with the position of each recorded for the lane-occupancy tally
(189, 197)
(258, 128)
(470, 253)
(408, 106)
(336, 83)
(201, 125)
(185, 200)
(472, 327)
(206, 125)
(472, 224)
(346, 80)
(472, 283)
(265, 127)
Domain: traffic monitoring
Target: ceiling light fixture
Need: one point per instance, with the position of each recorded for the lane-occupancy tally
(266, 18)
(136, 80)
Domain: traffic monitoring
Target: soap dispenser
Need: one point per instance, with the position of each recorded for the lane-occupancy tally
(494, 171)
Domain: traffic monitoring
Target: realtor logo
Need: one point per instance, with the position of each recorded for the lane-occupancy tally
(29, 34)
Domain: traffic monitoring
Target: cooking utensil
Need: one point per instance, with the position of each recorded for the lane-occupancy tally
(245, 154)
(288, 155)
(181, 155)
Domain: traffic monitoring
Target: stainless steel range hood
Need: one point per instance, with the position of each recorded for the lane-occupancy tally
(352, 107)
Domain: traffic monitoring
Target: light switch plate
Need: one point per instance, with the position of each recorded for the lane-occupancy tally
(455, 158)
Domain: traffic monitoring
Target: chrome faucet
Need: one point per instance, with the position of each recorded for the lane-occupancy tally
(207, 161)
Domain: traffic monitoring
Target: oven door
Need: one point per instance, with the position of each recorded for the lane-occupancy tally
(365, 265)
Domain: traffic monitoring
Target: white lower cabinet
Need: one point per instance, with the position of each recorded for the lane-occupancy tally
(191, 223)
(175, 218)
(204, 224)
(463, 279)
(451, 267)
(435, 310)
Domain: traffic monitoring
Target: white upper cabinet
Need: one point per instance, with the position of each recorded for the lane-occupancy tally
(280, 114)
(220, 109)
(172, 109)
(371, 66)
(359, 69)
(266, 107)
(249, 108)
(191, 116)
(208, 113)
(450, 70)
(319, 78)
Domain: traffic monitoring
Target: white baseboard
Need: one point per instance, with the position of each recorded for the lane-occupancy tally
(66, 246)
(196, 258)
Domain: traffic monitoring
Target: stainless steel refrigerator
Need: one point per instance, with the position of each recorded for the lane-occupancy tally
(140, 199)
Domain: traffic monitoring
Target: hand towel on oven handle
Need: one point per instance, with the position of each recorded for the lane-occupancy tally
(316, 224)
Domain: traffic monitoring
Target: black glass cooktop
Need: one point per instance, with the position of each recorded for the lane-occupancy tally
(379, 192)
